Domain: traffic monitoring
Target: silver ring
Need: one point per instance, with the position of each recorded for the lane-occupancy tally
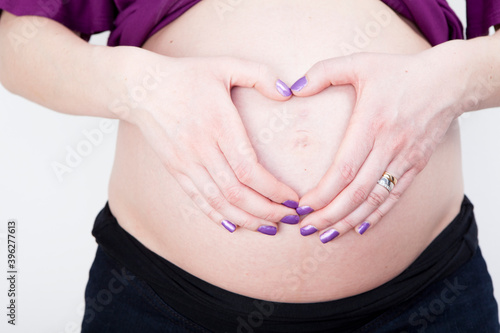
(387, 181)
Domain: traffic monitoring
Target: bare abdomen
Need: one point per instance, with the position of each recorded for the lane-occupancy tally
(297, 141)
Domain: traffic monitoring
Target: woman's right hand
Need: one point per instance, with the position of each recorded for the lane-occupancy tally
(183, 108)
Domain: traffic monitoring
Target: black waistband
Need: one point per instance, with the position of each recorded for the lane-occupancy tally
(219, 310)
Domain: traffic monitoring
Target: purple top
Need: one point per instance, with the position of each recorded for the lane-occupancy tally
(133, 22)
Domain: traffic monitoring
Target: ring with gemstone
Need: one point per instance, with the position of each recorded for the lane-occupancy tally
(387, 181)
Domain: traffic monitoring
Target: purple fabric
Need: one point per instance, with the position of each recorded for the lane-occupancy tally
(87, 17)
(435, 19)
(140, 19)
(481, 15)
(132, 22)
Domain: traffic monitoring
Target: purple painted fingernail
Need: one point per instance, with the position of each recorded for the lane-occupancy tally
(363, 227)
(308, 230)
(304, 210)
(328, 235)
(228, 225)
(268, 230)
(291, 204)
(283, 88)
(291, 219)
(301, 83)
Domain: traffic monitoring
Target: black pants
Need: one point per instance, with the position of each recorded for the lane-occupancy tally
(431, 292)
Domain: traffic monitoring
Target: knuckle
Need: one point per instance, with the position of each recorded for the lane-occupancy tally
(244, 171)
(349, 222)
(415, 155)
(420, 164)
(272, 216)
(325, 221)
(418, 158)
(359, 196)
(378, 125)
(217, 202)
(378, 215)
(224, 133)
(346, 224)
(324, 66)
(347, 173)
(322, 198)
(396, 194)
(375, 199)
(194, 195)
(397, 143)
(212, 214)
(322, 202)
(234, 194)
(202, 204)
(245, 223)
(274, 191)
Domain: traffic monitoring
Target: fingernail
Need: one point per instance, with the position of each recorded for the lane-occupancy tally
(301, 83)
(328, 235)
(283, 88)
(228, 225)
(291, 219)
(268, 230)
(304, 210)
(291, 204)
(308, 230)
(363, 227)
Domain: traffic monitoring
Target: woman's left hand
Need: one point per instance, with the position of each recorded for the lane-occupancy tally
(404, 107)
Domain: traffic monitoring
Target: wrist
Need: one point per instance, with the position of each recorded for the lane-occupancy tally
(479, 66)
(130, 75)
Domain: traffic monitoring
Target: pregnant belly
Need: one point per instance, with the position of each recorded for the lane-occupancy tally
(297, 141)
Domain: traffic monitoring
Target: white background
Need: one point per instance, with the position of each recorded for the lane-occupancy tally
(55, 247)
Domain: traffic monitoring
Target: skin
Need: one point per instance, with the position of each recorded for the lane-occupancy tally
(177, 171)
(215, 157)
(372, 145)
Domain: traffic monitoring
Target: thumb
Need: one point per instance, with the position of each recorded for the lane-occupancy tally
(251, 74)
(335, 71)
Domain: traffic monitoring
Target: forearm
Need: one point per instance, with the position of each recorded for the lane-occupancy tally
(480, 61)
(58, 70)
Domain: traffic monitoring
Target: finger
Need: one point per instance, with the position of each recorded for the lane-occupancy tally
(240, 155)
(362, 191)
(352, 153)
(242, 196)
(335, 71)
(250, 74)
(388, 204)
(367, 215)
(374, 201)
(206, 195)
(372, 211)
